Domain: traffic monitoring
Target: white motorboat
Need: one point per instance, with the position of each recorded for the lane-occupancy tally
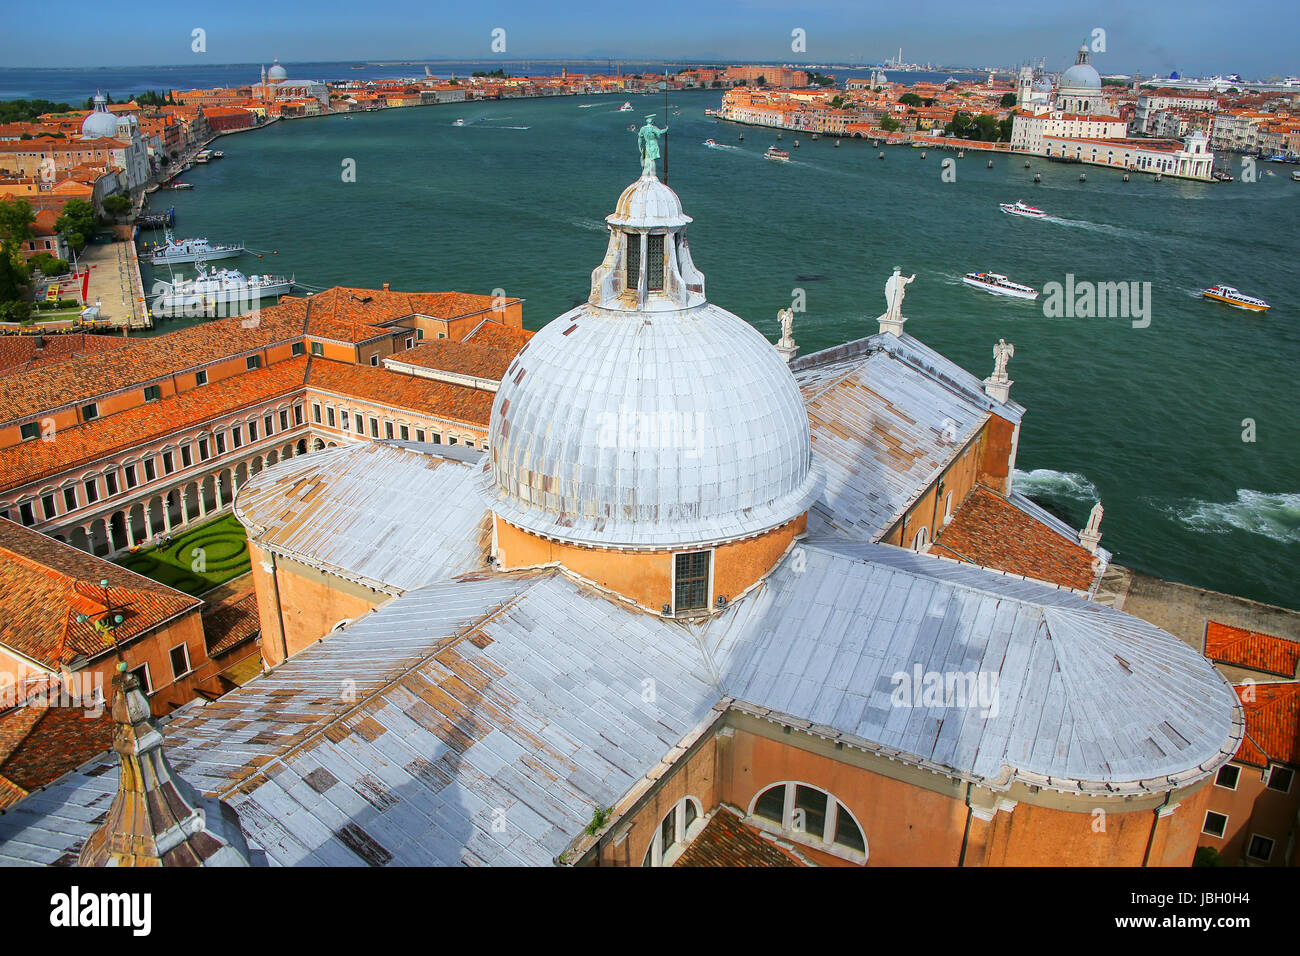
(459, 122)
(223, 290)
(625, 108)
(173, 250)
(1019, 208)
(1238, 300)
(998, 284)
(776, 155)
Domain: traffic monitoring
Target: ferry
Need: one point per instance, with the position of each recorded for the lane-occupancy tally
(1018, 208)
(175, 250)
(998, 284)
(220, 288)
(1238, 300)
(625, 108)
(777, 155)
(459, 122)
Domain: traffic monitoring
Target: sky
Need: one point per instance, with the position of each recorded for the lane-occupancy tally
(1156, 36)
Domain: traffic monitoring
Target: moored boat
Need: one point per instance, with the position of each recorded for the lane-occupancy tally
(998, 284)
(220, 290)
(1238, 300)
(777, 155)
(1019, 208)
(173, 250)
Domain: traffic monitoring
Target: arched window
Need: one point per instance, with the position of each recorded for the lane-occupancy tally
(678, 828)
(947, 508)
(811, 816)
(921, 540)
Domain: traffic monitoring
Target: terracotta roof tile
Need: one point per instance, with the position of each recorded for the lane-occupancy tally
(726, 840)
(39, 744)
(990, 531)
(20, 352)
(460, 358)
(1252, 649)
(494, 335)
(228, 625)
(459, 403)
(91, 441)
(49, 387)
(45, 585)
(1272, 723)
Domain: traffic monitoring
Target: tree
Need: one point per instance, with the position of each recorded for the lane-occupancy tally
(959, 125)
(910, 99)
(22, 111)
(1005, 127)
(77, 223)
(16, 218)
(48, 265)
(761, 81)
(837, 102)
(889, 124)
(117, 206)
(1008, 100)
(1207, 856)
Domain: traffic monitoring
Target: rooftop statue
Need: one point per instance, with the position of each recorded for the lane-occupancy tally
(895, 289)
(648, 140)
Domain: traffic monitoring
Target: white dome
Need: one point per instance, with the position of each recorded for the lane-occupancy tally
(277, 73)
(100, 123)
(648, 203)
(1081, 76)
(648, 419)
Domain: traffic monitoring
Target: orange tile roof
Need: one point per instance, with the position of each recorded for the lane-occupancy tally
(990, 531)
(423, 396)
(18, 352)
(45, 584)
(40, 743)
(88, 377)
(727, 840)
(462, 358)
(1251, 649)
(226, 626)
(1272, 723)
(375, 306)
(93, 440)
(505, 338)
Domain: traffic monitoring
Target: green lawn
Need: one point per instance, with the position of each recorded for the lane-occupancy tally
(222, 555)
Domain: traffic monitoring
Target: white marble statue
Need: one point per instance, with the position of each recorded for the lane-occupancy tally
(1001, 353)
(786, 318)
(895, 289)
(1094, 520)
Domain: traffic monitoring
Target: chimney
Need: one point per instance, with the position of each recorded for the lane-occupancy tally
(156, 818)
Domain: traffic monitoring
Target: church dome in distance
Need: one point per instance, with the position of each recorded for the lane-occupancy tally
(100, 123)
(1081, 76)
(647, 417)
(277, 73)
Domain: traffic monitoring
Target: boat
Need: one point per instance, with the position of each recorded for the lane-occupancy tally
(222, 287)
(777, 155)
(1238, 300)
(1019, 208)
(1295, 177)
(203, 156)
(998, 284)
(625, 108)
(459, 122)
(179, 186)
(711, 144)
(175, 250)
(217, 154)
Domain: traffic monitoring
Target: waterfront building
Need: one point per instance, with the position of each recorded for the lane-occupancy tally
(1030, 131)
(108, 450)
(688, 590)
(1188, 159)
(1150, 105)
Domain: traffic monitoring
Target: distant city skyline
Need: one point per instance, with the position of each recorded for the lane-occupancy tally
(1161, 36)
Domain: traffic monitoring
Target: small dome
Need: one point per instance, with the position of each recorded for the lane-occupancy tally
(648, 204)
(277, 73)
(100, 123)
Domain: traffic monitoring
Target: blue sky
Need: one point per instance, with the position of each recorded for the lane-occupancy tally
(1156, 36)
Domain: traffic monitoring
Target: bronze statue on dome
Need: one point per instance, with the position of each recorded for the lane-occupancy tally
(648, 141)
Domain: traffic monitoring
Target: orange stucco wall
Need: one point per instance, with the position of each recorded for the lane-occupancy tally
(906, 824)
(308, 606)
(929, 509)
(646, 577)
(1253, 809)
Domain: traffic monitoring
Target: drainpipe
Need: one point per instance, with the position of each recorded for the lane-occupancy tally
(275, 595)
(965, 836)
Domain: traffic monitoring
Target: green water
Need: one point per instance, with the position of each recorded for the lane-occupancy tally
(1147, 419)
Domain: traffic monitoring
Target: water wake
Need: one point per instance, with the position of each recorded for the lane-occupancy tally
(1275, 516)
(1057, 487)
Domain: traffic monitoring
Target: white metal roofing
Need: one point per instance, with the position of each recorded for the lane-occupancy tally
(880, 434)
(637, 429)
(390, 516)
(533, 699)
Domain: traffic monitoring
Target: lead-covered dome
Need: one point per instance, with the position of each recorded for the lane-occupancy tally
(100, 123)
(648, 417)
(1083, 75)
